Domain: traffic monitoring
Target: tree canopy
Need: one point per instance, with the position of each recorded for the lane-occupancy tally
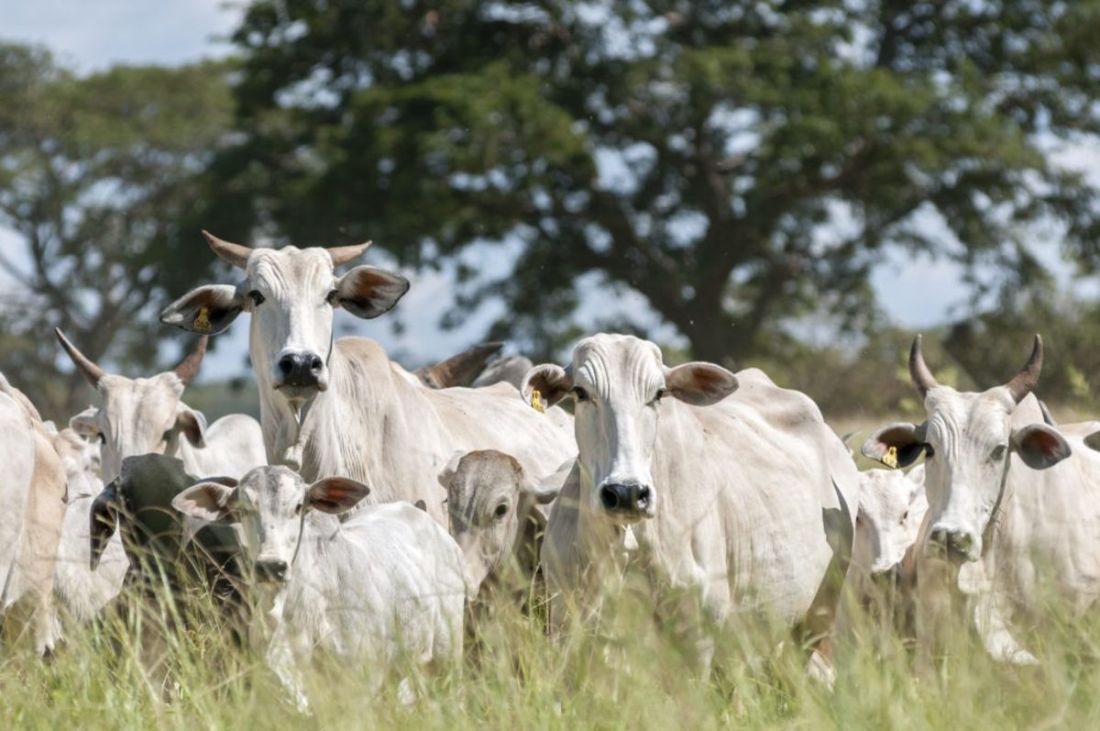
(739, 164)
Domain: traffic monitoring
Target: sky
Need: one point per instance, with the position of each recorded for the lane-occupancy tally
(914, 293)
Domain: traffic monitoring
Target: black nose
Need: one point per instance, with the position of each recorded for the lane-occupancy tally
(270, 570)
(625, 499)
(956, 544)
(301, 369)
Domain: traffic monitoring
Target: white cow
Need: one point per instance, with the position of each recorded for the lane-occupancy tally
(495, 518)
(147, 416)
(381, 588)
(892, 505)
(342, 407)
(1011, 517)
(734, 490)
(82, 592)
(32, 492)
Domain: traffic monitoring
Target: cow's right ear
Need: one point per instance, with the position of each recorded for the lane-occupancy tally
(207, 310)
(551, 381)
(86, 423)
(897, 445)
(447, 474)
(208, 501)
(335, 494)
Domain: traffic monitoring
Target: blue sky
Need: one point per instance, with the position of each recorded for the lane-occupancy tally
(93, 36)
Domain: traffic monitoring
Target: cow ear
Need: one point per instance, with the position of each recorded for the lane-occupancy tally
(700, 384)
(897, 445)
(209, 501)
(551, 381)
(86, 423)
(193, 425)
(447, 474)
(207, 310)
(368, 292)
(335, 494)
(1040, 446)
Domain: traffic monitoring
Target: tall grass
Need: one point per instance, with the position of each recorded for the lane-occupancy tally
(623, 669)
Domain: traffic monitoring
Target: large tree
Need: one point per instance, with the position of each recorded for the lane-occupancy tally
(739, 164)
(99, 175)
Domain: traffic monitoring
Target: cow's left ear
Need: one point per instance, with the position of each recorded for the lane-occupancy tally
(335, 494)
(1040, 446)
(700, 384)
(448, 472)
(86, 423)
(193, 425)
(368, 292)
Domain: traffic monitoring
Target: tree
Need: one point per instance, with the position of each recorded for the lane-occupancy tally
(99, 179)
(740, 164)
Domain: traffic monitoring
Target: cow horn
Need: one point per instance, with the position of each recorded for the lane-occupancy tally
(1023, 382)
(344, 254)
(234, 254)
(90, 370)
(460, 369)
(189, 366)
(918, 369)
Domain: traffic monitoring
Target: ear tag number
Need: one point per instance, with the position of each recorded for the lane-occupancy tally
(536, 401)
(202, 321)
(890, 459)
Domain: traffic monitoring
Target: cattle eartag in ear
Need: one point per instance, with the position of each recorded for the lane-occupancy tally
(202, 321)
(890, 459)
(536, 401)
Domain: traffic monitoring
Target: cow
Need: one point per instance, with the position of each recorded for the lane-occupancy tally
(460, 369)
(385, 586)
(495, 516)
(733, 492)
(80, 592)
(147, 416)
(1009, 519)
(33, 495)
(342, 407)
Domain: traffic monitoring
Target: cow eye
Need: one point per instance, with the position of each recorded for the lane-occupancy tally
(256, 297)
(298, 509)
(102, 437)
(658, 396)
(998, 453)
(580, 393)
(929, 453)
(501, 511)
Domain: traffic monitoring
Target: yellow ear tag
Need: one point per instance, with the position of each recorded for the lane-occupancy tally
(536, 401)
(890, 459)
(202, 321)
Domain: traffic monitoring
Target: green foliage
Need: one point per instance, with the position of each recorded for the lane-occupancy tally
(99, 177)
(737, 163)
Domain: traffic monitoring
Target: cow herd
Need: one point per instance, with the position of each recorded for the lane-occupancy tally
(372, 507)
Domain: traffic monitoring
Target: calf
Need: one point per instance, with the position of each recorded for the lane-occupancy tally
(384, 585)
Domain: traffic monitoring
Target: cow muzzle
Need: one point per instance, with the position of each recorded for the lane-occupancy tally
(270, 571)
(627, 502)
(300, 371)
(958, 546)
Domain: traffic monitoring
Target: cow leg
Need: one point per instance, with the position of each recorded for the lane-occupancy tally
(992, 628)
(284, 656)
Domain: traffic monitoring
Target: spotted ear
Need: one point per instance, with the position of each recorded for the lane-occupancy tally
(1040, 446)
(700, 384)
(208, 501)
(368, 292)
(551, 381)
(206, 310)
(335, 494)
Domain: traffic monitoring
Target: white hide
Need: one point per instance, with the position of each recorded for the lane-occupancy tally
(364, 417)
(741, 489)
(383, 587)
(892, 505)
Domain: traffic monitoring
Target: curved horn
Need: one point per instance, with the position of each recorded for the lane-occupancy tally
(90, 370)
(1023, 382)
(461, 369)
(234, 254)
(344, 254)
(189, 366)
(918, 369)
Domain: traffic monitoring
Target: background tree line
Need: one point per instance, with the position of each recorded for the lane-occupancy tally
(743, 166)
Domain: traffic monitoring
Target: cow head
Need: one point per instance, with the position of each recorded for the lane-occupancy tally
(891, 507)
(270, 503)
(81, 460)
(139, 415)
(968, 440)
(291, 294)
(618, 383)
(488, 501)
